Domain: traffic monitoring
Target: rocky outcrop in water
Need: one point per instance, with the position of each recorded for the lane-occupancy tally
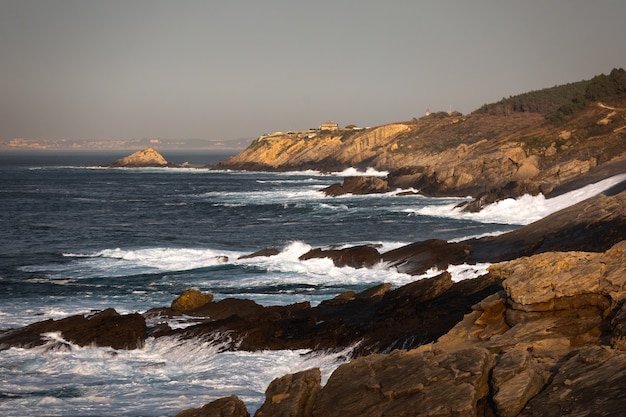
(144, 158)
(104, 328)
(551, 342)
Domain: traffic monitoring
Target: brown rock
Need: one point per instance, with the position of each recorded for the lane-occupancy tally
(409, 384)
(516, 379)
(553, 281)
(189, 300)
(356, 256)
(591, 383)
(261, 253)
(592, 225)
(223, 407)
(104, 328)
(291, 395)
(417, 258)
(357, 186)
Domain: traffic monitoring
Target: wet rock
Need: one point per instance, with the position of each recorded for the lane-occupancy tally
(516, 379)
(104, 328)
(512, 189)
(357, 186)
(591, 383)
(419, 257)
(291, 395)
(261, 253)
(189, 300)
(223, 407)
(356, 256)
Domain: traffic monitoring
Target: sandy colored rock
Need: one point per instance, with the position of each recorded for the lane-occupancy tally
(552, 281)
(148, 157)
(190, 299)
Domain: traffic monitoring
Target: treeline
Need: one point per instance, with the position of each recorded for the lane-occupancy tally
(605, 88)
(544, 101)
(559, 101)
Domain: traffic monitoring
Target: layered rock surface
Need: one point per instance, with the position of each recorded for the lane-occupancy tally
(550, 343)
(485, 156)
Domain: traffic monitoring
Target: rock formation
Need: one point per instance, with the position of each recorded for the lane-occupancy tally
(104, 328)
(550, 343)
(486, 156)
(148, 157)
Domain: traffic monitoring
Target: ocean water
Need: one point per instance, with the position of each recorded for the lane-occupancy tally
(77, 239)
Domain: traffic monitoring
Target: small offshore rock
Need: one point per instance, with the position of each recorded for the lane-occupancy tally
(190, 299)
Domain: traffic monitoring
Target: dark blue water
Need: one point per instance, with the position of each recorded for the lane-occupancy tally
(107, 234)
(77, 239)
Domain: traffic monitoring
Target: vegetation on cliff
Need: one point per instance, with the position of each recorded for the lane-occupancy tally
(530, 143)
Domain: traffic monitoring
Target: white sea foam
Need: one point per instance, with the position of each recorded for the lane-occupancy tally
(102, 381)
(351, 172)
(523, 210)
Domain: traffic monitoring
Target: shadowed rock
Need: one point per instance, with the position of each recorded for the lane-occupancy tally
(291, 395)
(224, 407)
(355, 256)
(379, 318)
(357, 186)
(105, 328)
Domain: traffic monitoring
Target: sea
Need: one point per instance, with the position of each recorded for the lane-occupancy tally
(77, 239)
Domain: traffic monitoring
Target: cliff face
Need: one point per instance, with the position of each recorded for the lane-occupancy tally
(456, 155)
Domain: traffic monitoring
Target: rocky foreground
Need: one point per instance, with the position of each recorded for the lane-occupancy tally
(542, 334)
(550, 342)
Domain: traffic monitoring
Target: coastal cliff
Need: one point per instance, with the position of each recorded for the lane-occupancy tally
(510, 152)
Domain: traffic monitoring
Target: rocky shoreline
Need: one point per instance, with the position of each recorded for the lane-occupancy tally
(542, 333)
(541, 326)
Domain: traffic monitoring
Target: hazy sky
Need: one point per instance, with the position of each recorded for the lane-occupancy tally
(229, 69)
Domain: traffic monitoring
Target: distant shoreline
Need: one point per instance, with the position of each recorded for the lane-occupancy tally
(81, 157)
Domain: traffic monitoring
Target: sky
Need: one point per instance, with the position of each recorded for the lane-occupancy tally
(225, 70)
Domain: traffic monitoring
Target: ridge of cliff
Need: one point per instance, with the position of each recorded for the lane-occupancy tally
(450, 154)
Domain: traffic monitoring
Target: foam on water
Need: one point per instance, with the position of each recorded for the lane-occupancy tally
(523, 210)
(164, 377)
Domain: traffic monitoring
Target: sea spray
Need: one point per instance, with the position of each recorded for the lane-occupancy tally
(522, 210)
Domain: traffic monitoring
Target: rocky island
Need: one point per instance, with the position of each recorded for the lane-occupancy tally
(543, 333)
